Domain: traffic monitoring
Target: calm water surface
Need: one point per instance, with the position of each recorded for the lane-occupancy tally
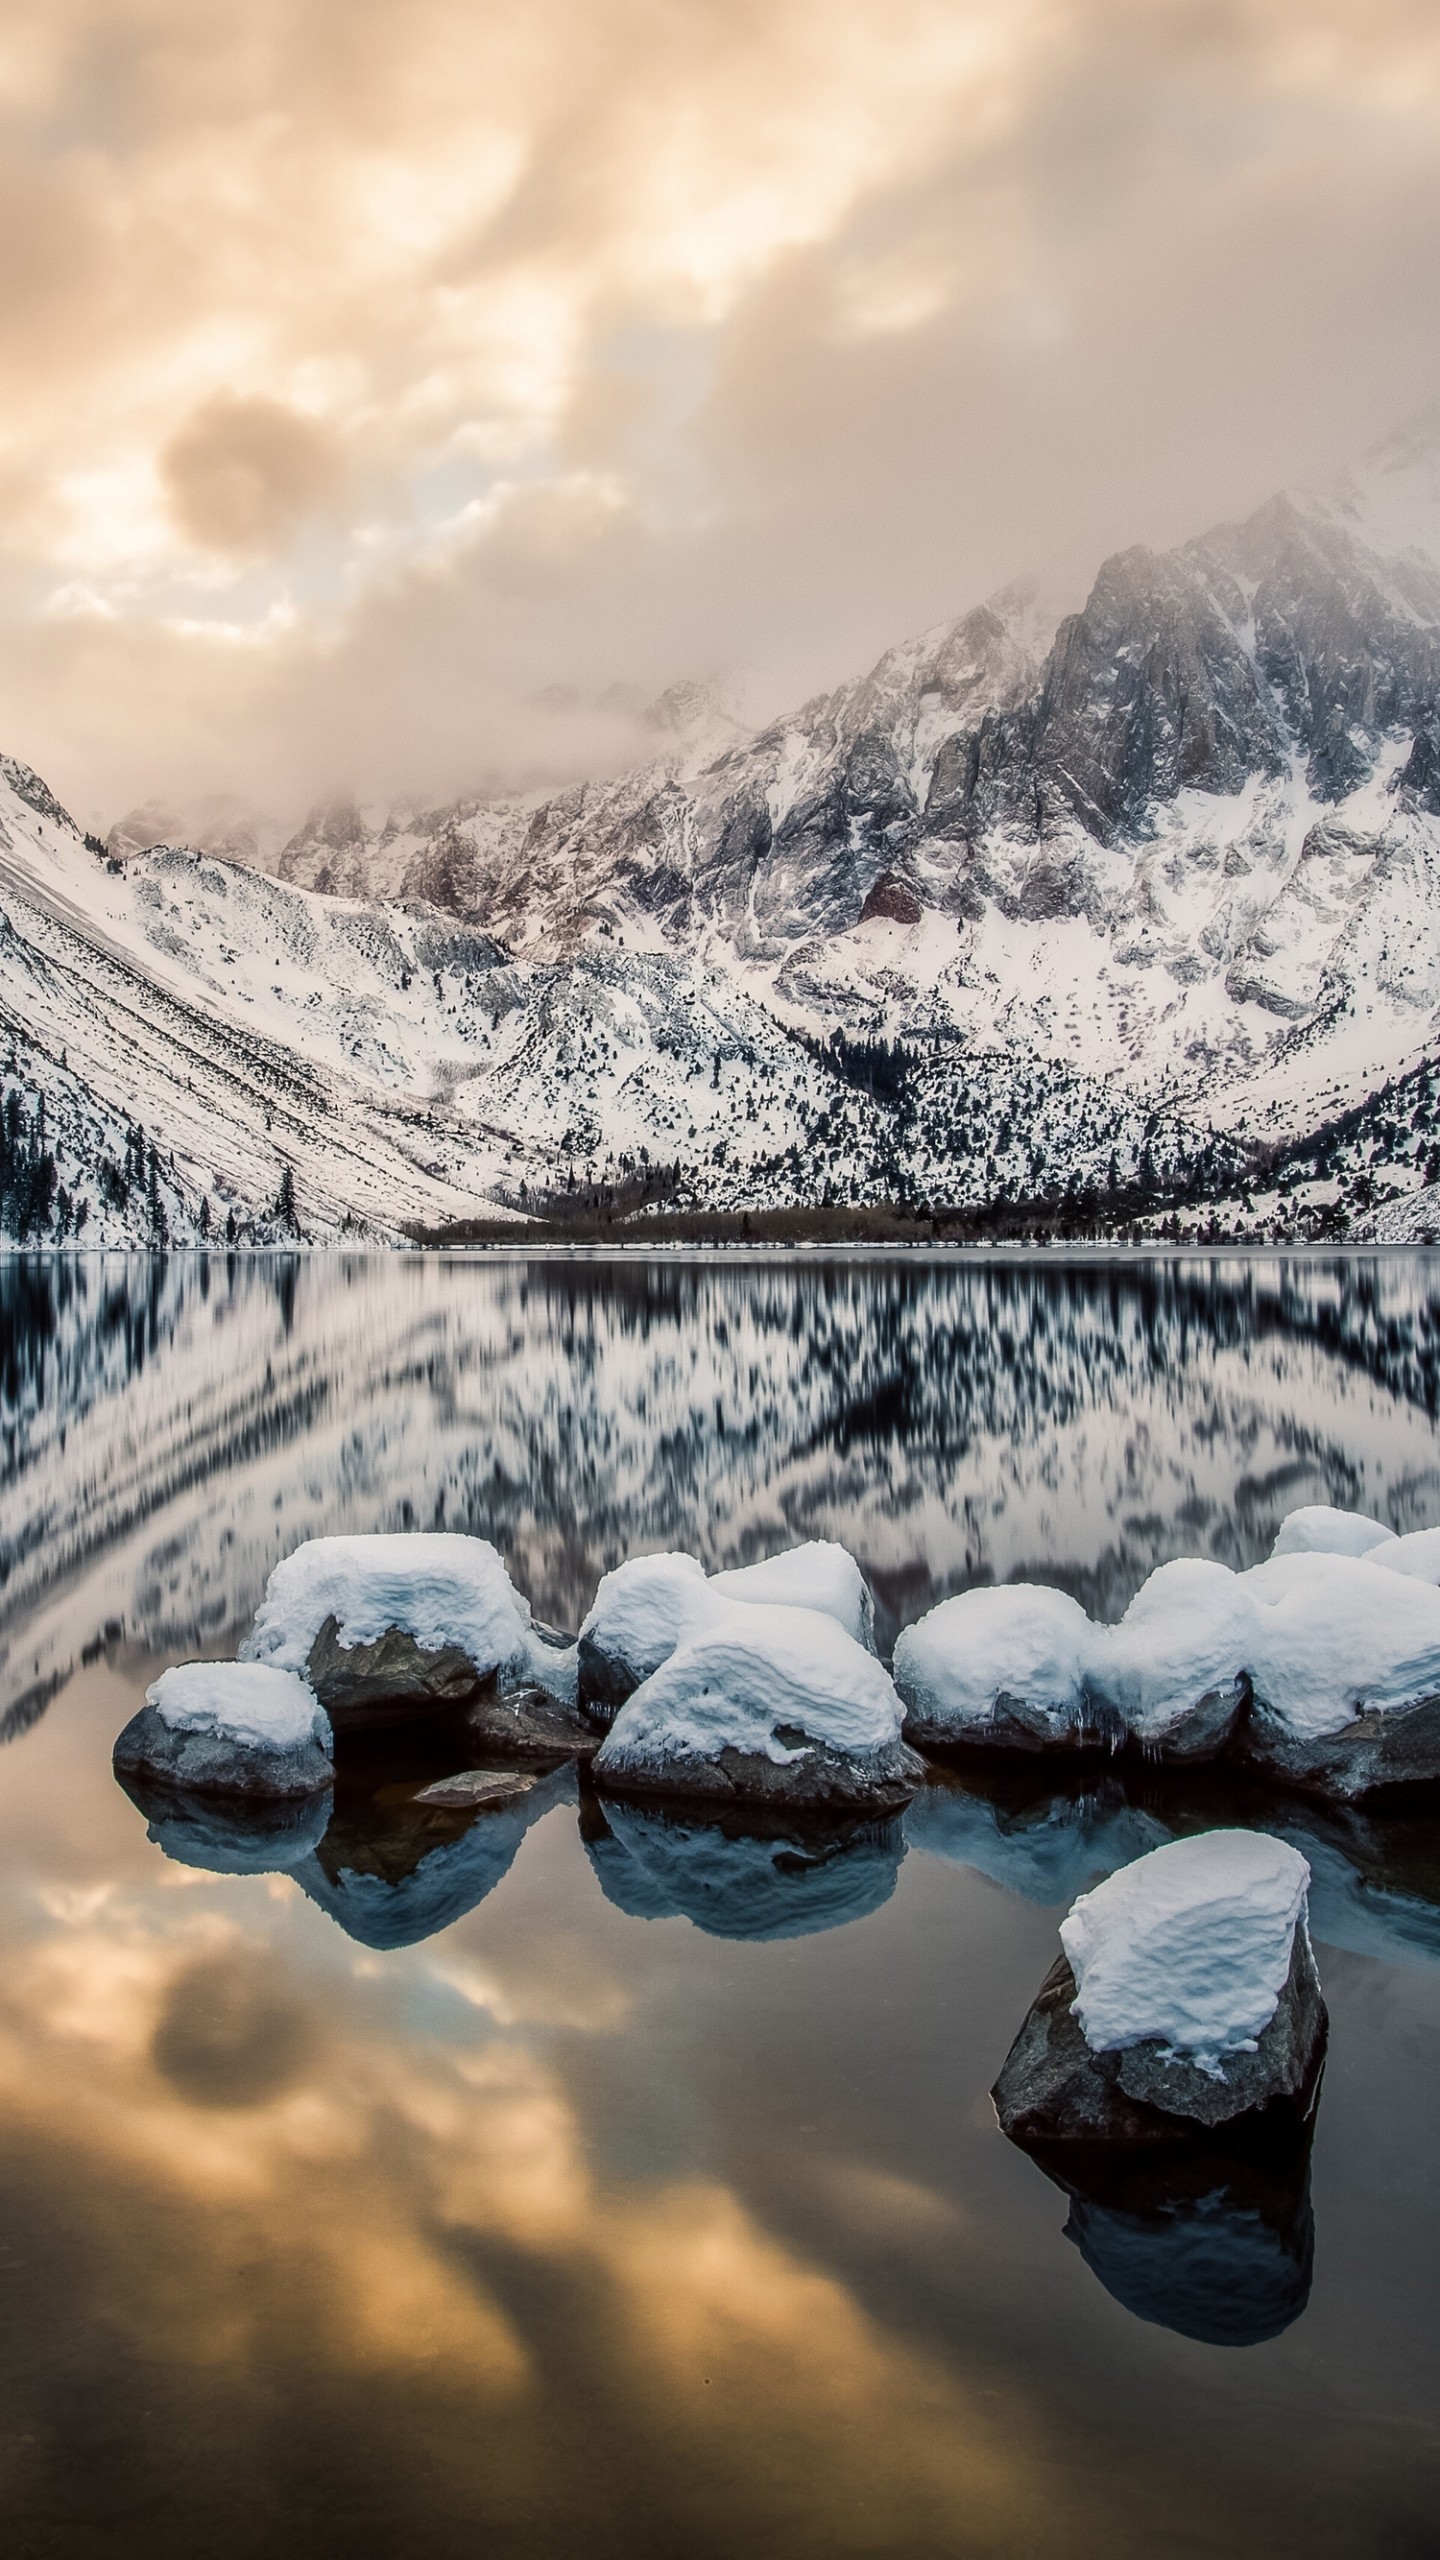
(539, 2181)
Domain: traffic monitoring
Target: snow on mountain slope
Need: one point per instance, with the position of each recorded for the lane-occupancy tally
(1135, 892)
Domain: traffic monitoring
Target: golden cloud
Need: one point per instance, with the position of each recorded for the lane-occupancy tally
(433, 355)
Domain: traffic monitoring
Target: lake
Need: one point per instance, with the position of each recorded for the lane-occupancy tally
(545, 2179)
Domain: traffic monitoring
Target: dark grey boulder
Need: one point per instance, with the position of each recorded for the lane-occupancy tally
(1372, 1752)
(214, 1764)
(1206, 1728)
(527, 1723)
(1054, 2089)
(605, 1677)
(1016, 1724)
(384, 1682)
(819, 1779)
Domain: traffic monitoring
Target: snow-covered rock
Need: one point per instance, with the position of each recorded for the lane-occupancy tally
(1345, 1674)
(1003, 1668)
(1175, 1671)
(818, 1575)
(1186, 1996)
(633, 1625)
(230, 1728)
(765, 1705)
(788, 1882)
(1318, 1529)
(643, 1608)
(384, 1624)
(1417, 1554)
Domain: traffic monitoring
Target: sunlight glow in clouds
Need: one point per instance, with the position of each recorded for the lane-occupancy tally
(445, 354)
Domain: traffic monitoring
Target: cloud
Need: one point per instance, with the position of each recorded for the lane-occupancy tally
(242, 474)
(371, 372)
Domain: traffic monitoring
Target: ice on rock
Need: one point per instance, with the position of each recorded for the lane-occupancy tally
(1003, 1666)
(423, 1615)
(251, 1703)
(644, 1607)
(769, 1701)
(1190, 1947)
(1319, 1530)
(818, 1575)
(1175, 1668)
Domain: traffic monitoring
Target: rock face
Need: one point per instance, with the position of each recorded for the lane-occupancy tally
(528, 1724)
(1054, 2089)
(217, 1763)
(819, 1779)
(1375, 1751)
(384, 1682)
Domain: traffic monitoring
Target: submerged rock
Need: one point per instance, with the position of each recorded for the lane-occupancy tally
(1218, 2247)
(789, 1879)
(229, 1729)
(1186, 1999)
(770, 1706)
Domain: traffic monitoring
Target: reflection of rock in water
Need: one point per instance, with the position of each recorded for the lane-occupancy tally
(229, 1836)
(1218, 2247)
(392, 1871)
(1374, 1878)
(1047, 1846)
(782, 1881)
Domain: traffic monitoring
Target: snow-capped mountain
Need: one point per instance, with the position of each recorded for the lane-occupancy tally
(1143, 899)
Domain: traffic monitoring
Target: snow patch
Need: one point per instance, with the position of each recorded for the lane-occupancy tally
(436, 1586)
(1319, 1530)
(1338, 1636)
(754, 1675)
(1189, 1631)
(252, 1703)
(1190, 1947)
(1021, 1641)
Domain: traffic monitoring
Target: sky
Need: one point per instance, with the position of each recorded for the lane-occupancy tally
(398, 392)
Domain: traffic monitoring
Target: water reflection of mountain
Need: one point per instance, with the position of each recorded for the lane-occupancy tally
(1218, 2246)
(736, 1883)
(169, 1428)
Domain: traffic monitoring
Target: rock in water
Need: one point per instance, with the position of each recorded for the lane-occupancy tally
(1345, 1673)
(1002, 1670)
(229, 1728)
(1174, 1672)
(770, 1706)
(384, 1625)
(1186, 2000)
(643, 1608)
